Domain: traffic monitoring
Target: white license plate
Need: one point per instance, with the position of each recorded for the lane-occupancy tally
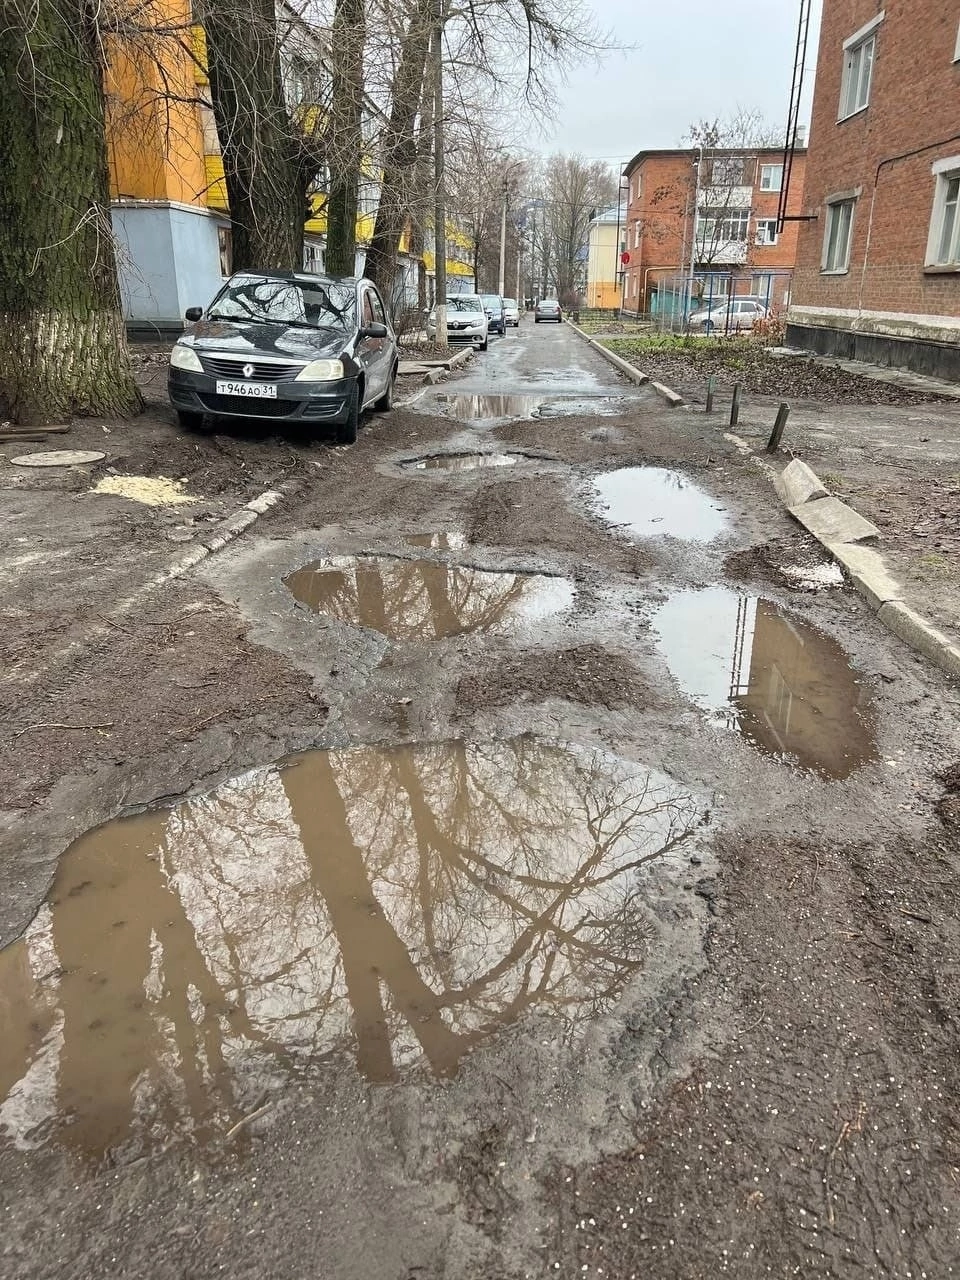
(255, 390)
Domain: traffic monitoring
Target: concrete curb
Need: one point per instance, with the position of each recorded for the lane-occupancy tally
(433, 377)
(840, 529)
(673, 398)
(225, 532)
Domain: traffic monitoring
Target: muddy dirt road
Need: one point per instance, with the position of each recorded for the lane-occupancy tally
(517, 855)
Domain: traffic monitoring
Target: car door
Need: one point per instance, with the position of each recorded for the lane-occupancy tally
(368, 350)
(385, 346)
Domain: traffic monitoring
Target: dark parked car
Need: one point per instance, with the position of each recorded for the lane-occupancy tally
(547, 309)
(286, 346)
(496, 316)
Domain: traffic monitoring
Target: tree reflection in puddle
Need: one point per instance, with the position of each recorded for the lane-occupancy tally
(400, 905)
(426, 599)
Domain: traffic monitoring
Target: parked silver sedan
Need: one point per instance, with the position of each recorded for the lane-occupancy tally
(511, 311)
(724, 316)
(547, 309)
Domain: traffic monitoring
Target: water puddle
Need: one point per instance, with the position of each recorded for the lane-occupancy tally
(427, 599)
(649, 501)
(438, 541)
(785, 686)
(483, 408)
(396, 907)
(461, 461)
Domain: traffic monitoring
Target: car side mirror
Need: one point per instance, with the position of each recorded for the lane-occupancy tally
(193, 313)
(375, 330)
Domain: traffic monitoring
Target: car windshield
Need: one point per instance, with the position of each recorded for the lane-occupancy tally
(464, 304)
(308, 304)
(490, 300)
(548, 305)
(510, 302)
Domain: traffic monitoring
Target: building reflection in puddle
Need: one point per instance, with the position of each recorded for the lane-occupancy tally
(785, 686)
(399, 905)
(427, 599)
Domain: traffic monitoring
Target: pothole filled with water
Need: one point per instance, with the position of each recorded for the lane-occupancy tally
(482, 408)
(786, 687)
(396, 907)
(645, 502)
(427, 599)
(461, 461)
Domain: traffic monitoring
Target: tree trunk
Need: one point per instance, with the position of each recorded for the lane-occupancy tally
(400, 151)
(260, 144)
(346, 136)
(62, 343)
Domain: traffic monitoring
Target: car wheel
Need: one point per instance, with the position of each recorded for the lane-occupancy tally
(484, 344)
(385, 403)
(190, 421)
(347, 431)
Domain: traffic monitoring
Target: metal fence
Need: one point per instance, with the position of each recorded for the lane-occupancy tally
(667, 300)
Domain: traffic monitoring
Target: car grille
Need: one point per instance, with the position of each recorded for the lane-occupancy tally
(251, 407)
(263, 370)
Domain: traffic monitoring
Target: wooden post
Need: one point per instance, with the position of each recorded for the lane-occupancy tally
(711, 387)
(735, 406)
(776, 435)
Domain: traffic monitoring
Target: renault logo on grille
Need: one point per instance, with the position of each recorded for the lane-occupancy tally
(248, 370)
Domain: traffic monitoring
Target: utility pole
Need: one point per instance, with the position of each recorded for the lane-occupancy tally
(440, 179)
(501, 283)
(693, 238)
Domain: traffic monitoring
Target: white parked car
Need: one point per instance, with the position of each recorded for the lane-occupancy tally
(511, 311)
(727, 315)
(466, 320)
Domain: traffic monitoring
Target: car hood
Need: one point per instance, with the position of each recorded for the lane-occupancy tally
(248, 339)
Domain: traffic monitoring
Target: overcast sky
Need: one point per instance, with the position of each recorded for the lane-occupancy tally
(692, 59)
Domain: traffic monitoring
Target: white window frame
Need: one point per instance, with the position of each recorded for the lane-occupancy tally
(856, 44)
(767, 239)
(834, 205)
(945, 172)
(779, 181)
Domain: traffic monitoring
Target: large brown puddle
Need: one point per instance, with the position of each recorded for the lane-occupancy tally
(649, 501)
(788, 688)
(393, 906)
(427, 599)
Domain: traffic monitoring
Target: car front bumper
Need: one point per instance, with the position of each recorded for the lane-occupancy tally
(459, 335)
(294, 402)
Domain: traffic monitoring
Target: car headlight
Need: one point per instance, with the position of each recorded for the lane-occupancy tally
(183, 357)
(321, 371)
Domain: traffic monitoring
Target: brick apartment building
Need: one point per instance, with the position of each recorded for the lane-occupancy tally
(736, 193)
(878, 270)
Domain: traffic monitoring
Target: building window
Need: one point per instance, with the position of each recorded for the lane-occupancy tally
(771, 177)
(859, 54)
(836, 239)
(714, 228)
(313, 259)
(943, 245)
(225, 245)
(762, 287)
(767, 231)
(729, 171)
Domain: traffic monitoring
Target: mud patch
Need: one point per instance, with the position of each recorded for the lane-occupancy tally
(785, 565)
(588, 674)
(786, 687)
(646, 502)
(461, 461)
(397, 906)
(427, 599)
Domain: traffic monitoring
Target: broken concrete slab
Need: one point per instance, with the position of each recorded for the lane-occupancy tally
(797, 484)
(868, 573)
(920, 635)
(832, 521)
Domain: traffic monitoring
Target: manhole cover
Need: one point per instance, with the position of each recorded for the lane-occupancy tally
(58, 458)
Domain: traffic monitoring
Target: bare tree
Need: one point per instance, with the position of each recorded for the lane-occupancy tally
(574, 189)
(62, 343)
